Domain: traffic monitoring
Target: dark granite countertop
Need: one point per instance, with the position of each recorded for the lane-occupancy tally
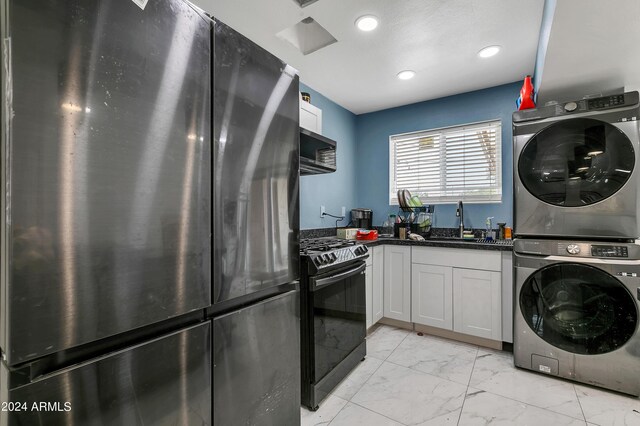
(440, 237)
(506, 245)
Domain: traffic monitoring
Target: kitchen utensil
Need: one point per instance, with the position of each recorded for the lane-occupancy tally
(415, 201)
(402, 233)
(401, 200)
(423, 220)
(406, 195)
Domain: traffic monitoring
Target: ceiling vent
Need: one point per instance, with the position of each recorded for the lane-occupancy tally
(304, 3)
(307, 35)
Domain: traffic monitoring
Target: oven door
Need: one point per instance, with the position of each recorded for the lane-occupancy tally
(339, 317)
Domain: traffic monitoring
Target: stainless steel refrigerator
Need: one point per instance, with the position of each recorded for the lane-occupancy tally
(255, 311)
(106, 213)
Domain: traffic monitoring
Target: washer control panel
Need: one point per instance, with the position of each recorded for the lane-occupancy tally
(573, 249)
(609, 251)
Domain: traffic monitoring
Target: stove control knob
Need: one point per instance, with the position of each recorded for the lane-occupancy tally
(573, 249)
(570, 106)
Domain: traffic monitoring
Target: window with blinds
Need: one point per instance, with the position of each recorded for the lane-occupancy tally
(449, 164)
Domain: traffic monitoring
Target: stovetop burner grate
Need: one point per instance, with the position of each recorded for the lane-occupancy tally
(323, 244)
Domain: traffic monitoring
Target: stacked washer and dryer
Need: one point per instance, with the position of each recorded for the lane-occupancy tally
(576, 253)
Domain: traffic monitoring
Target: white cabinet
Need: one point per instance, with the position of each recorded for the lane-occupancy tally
(458, 290)
(397, 282)
(432, 295)
(377, 305)
(373, 285)
(368, 285)
(477, 303)
(310, 117)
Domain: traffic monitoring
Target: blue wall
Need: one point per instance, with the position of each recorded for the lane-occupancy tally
(374, 129)
(333, 190)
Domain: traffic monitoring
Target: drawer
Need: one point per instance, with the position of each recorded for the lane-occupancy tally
(457, 258)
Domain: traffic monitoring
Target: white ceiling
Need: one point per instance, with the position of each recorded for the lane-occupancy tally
(439, 39)
(594, 47)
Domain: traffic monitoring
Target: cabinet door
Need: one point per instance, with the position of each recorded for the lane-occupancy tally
(310, 117)
(397, 282)
(477, 301)
(377, 303)
(432, 295)
(368, 286)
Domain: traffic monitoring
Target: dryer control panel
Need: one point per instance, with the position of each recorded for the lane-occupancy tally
(617, 108)
(609, 251)
(606, 102)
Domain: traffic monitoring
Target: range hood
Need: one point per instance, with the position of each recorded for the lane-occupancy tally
(317, 153)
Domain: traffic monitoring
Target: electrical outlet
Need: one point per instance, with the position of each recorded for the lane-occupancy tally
(344, 211)
(322, 211)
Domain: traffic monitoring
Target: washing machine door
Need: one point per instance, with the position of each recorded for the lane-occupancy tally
(576, 162)
(578, 308)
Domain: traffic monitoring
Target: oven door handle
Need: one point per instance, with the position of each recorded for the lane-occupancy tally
(323, 282)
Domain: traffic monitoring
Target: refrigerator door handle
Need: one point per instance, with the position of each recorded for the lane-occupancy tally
(316, 284)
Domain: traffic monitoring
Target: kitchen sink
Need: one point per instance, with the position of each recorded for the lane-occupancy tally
(472, 240)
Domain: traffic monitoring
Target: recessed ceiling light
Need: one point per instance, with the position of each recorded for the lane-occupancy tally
(406, 74)
(367, 23)
(489, 51)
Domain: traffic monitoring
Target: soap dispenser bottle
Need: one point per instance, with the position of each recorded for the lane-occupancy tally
(489, 231)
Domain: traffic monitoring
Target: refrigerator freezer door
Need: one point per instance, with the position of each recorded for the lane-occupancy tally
(256, 364)
(256, 162)
(166, 381)
(108, 161)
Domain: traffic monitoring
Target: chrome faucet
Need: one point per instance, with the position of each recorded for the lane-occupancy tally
(460, 214)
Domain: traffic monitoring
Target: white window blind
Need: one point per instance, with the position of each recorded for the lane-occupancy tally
(449, 164)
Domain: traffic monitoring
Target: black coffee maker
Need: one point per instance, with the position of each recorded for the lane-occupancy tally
(362, 218)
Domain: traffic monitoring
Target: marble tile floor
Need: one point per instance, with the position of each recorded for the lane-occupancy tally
(408, 379)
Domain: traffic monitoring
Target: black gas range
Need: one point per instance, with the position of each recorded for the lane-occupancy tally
(333, 314)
